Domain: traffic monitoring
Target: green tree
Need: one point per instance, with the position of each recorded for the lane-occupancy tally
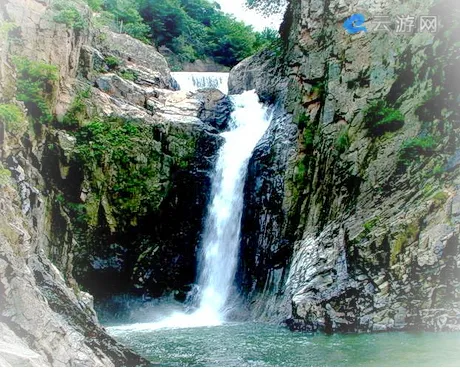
(265, 38)
(267, 7)
(202, 11)
(127, 18)
(230, 41)
(166, 18)
(191, 29)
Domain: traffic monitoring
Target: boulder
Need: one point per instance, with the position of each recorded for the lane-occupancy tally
(216, 108)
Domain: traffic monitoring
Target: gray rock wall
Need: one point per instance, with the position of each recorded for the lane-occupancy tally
(373, 236)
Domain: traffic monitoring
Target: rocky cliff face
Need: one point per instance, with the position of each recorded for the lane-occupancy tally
(43, 321)
(360, 232)
(96, 146)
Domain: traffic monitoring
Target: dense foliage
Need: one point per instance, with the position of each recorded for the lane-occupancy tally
(120, 149)
(13, 119)
(267, 7)
(36, 82)
(191, 29)
(413, 148)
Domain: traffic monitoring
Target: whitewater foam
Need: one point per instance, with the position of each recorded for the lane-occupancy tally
(192, 81)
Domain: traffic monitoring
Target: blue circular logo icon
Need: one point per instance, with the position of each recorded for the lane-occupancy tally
(354, 24)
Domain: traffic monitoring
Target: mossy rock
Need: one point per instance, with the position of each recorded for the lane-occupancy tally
(380, 118)
(405, 238)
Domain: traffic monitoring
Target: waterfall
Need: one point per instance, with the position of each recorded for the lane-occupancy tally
(191, 81)
(221, 237)
(221, 234)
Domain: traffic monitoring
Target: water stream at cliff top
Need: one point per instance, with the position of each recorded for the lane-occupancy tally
(191, 81)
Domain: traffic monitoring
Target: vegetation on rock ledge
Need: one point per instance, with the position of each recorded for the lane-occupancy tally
(342, 142)
(381, 118)
(13, 118)
(413, 148)
(36, 86)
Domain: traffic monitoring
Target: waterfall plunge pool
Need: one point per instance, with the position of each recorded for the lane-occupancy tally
(258, 344)
(204, 339)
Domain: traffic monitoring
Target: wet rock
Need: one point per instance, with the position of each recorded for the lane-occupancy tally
(251, 74)
(216, 108)
(42, 320)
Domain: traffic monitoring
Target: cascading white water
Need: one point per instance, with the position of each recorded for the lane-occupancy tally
(191, 81)
(221, 238)
(222, 229)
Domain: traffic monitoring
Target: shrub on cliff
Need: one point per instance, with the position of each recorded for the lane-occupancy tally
(413, 148)
(112, 62)
(13, 119)
(36, 82)
(381, 118)
(342, 142)
(69, 15)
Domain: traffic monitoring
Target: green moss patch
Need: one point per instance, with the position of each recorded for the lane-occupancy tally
(13, 118)
(5, 175)
(342, 143)
(36, 84)
(380, 118)
(123, 164)
(405, 238)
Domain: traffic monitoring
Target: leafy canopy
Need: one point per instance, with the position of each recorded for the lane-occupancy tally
(267, 7)
(191, 29)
